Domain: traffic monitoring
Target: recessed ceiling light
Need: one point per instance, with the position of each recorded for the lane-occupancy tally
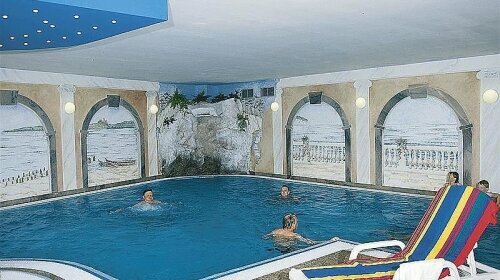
(94, 27)
(25, 35)
(39, 31)
(113, 21)
(64, 37)
(5, 16)
(45, 21)
(25, 43)
(48, 41)
(35, 10)
(79, 33)
(12, 37)
(52, 26)
(76, 16)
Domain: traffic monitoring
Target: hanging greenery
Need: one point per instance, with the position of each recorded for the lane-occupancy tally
(178, 100)
(201, 97)
(242, 120)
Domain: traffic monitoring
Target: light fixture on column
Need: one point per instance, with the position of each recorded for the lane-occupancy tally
(275, 106)
(153, 109)
(360, 102)
(69, 107)
(490, 96)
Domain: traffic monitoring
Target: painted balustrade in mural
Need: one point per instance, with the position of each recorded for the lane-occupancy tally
(331, 153)
(422, 158)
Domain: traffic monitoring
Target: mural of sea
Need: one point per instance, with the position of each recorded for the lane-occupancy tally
(318, 133)
(23, 150)
(441, 135)
(112, 147)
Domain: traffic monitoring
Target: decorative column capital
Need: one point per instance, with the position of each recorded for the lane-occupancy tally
(362, 84)
(66, 89)
(151, 93)
(488, 74)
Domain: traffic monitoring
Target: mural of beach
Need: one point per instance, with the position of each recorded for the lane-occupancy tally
(24, 154)
(112, 147)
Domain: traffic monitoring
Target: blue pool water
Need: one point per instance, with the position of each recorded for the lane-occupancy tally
(205, 225)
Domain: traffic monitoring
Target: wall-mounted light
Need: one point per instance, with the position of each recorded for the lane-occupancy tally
(69, 107)
(490, 96)
(360, 102)
(275, 106)
(153, 109)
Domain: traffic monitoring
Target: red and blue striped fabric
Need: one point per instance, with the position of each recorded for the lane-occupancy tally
(453, 223)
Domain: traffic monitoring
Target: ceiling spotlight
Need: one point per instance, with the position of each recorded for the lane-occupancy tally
(64, 37)
(45, 21)
(39, 31)
(25, 35)
(35, 11)
(79, 33)
(113, 21)
(12, 37)
(52, 26)
(5, 16)
(48, 41)
(25, 44)
(76, 16)
(94, 27)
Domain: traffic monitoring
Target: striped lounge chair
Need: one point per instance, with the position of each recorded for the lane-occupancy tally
(453, 223)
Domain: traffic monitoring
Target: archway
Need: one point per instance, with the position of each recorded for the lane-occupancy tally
(27, 148)
(318, 142)
(112, 143)
(422, 133)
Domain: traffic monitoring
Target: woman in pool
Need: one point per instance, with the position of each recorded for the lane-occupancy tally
(451, 179)
(285, 192)
(147, 198)
(287, 232)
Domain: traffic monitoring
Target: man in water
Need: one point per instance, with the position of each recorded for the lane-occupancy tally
(147, 198)
(287, 232)
(285, 191)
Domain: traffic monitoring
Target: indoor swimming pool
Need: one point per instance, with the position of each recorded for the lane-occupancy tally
(206, 225)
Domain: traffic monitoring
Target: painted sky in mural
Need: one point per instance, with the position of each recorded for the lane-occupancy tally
(320, 122)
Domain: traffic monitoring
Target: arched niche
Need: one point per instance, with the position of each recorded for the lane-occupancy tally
(421, 92)
(314, 98)
(111, 101)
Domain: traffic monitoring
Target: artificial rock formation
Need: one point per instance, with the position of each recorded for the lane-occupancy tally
(211, 130)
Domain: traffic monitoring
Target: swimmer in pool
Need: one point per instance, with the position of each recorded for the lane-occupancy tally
(287, 232)
(285, 192)
(147, 198)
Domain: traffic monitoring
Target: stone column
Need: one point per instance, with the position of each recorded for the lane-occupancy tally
(152, 99)
(66, 94)
(363, 142)
(489, 133)
(278, 132)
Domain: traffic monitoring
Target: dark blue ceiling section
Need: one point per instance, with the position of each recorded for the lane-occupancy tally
(34, 25)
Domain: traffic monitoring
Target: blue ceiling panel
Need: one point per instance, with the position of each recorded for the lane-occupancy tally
(34, 25)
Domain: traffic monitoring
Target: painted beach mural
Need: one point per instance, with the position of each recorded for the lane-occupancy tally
(112, 147)
(24, 153)
(318, 143)
(421, 144)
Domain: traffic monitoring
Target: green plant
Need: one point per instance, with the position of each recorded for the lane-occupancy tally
(178, 100)
(201, 97)
(242, 120)
(234, 95)
(220, 97)
(168, 121)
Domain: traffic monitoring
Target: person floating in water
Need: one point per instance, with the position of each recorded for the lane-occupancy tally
(451, 179)
(147, 203)
(287, 232)
(285, 192)
(148, 198)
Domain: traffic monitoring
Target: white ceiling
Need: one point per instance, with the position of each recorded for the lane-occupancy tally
(211, 41)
